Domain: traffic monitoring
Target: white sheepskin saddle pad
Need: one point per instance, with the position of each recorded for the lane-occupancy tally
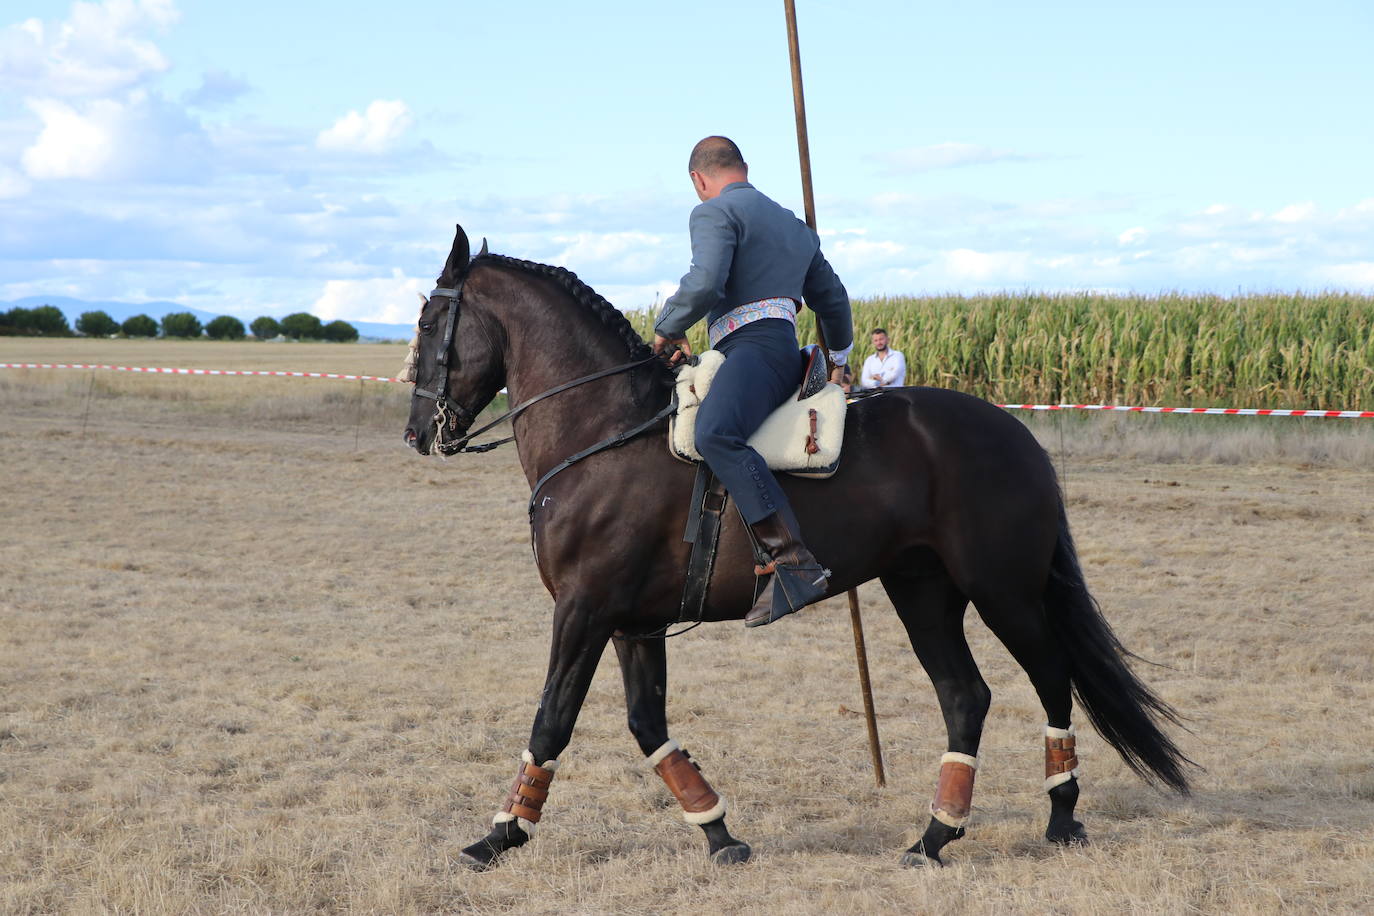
(782, 438)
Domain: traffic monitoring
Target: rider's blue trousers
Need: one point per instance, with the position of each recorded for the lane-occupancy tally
(762, 369)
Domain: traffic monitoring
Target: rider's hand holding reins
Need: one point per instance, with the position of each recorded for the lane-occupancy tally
(678, 346)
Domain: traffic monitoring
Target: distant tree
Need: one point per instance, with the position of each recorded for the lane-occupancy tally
(97, 324)
(139, 326)
(302, 326)
(180, 324)
(17, 322)
(340, 331)
(225, 327)
(265, 328)
(49, 321)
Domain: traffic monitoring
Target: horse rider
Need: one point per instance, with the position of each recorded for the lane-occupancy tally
(753, 263)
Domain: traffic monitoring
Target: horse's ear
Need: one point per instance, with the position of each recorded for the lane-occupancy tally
(457, 259)
(484, 247)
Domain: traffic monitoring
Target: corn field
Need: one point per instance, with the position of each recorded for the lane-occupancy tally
(1277, 350)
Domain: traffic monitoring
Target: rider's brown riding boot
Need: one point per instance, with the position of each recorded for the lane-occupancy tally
(797, 580)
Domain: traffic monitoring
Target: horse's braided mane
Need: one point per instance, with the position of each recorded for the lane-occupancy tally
(588, 298)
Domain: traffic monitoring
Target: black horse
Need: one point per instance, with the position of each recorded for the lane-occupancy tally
(966, 500)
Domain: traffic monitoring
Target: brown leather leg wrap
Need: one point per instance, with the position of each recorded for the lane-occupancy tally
(683, 778)
(1060, 756)
(953, 794)
(529, 793)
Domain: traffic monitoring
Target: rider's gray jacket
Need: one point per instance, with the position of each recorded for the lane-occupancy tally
(745, 248)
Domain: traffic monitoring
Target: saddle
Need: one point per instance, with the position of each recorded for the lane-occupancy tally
(802, 437)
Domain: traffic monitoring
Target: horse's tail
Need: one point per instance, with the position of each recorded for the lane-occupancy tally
(1119, 705)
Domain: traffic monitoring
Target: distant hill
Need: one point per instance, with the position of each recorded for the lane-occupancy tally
(368, 331)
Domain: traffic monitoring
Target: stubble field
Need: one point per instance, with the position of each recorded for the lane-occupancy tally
(255, 656)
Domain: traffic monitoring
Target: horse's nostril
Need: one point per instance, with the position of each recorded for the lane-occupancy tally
(410, 437)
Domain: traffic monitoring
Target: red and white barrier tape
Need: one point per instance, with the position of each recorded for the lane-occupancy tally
(1211, 411)
(158, 370)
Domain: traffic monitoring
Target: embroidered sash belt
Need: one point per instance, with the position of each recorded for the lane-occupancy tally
(739, 316)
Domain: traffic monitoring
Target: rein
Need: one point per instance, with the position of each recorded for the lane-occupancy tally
(461, 445)
(454, 415)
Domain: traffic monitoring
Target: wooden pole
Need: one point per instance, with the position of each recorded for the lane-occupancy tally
(809, 206)
(799, 107)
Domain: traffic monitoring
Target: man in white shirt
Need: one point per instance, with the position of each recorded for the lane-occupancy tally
(886, 368)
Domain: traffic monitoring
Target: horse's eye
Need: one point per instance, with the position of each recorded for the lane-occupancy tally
(426, 327)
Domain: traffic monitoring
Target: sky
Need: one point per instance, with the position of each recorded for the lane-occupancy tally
(254, 158)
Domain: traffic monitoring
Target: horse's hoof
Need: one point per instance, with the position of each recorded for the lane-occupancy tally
(478, 857)
(1074, 835)
(915, 858)
(734, 854)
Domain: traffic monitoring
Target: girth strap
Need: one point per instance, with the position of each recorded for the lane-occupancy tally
(703, 532)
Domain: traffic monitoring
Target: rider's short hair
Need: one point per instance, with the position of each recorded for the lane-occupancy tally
(715, 154)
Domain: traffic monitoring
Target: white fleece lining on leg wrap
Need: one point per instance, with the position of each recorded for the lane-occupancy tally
(1052, 732)
(945, 819)
(955, 757)
(657, 756)
(705, 817)
(1058, 779)
(550, 765)
(505, 817)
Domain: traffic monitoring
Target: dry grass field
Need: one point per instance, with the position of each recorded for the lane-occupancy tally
(247, 643)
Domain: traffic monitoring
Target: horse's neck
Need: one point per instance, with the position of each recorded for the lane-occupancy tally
(555, 353)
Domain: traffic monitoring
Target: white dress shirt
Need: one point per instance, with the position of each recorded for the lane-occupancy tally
(891, 371)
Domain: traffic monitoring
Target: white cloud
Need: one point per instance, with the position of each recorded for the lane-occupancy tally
(965, 264)
(853, 254)
(72, 144)
(12, 184)
(624, 257)
(217, 88)
(1132, 235)
(100, 48)
(946, 156)
(1364, 208)
(140, 135)
(374, 131)
(1357, 275)
(1296, 213)
(640, 296)
(390, 300)
(605, 246)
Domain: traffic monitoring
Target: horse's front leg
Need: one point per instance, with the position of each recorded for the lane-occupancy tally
(579, 637)
(644, 664)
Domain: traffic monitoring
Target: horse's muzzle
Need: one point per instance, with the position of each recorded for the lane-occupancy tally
(415, 440)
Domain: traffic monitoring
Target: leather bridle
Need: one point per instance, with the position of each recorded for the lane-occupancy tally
(455, 419)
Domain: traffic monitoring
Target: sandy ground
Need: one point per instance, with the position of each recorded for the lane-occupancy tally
(257, 657)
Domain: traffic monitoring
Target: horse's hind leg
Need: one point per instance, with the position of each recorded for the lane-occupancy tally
(931, 608)
(644, 664)
(1020, 625)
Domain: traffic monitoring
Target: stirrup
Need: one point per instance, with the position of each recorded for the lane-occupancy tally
(790, 589)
